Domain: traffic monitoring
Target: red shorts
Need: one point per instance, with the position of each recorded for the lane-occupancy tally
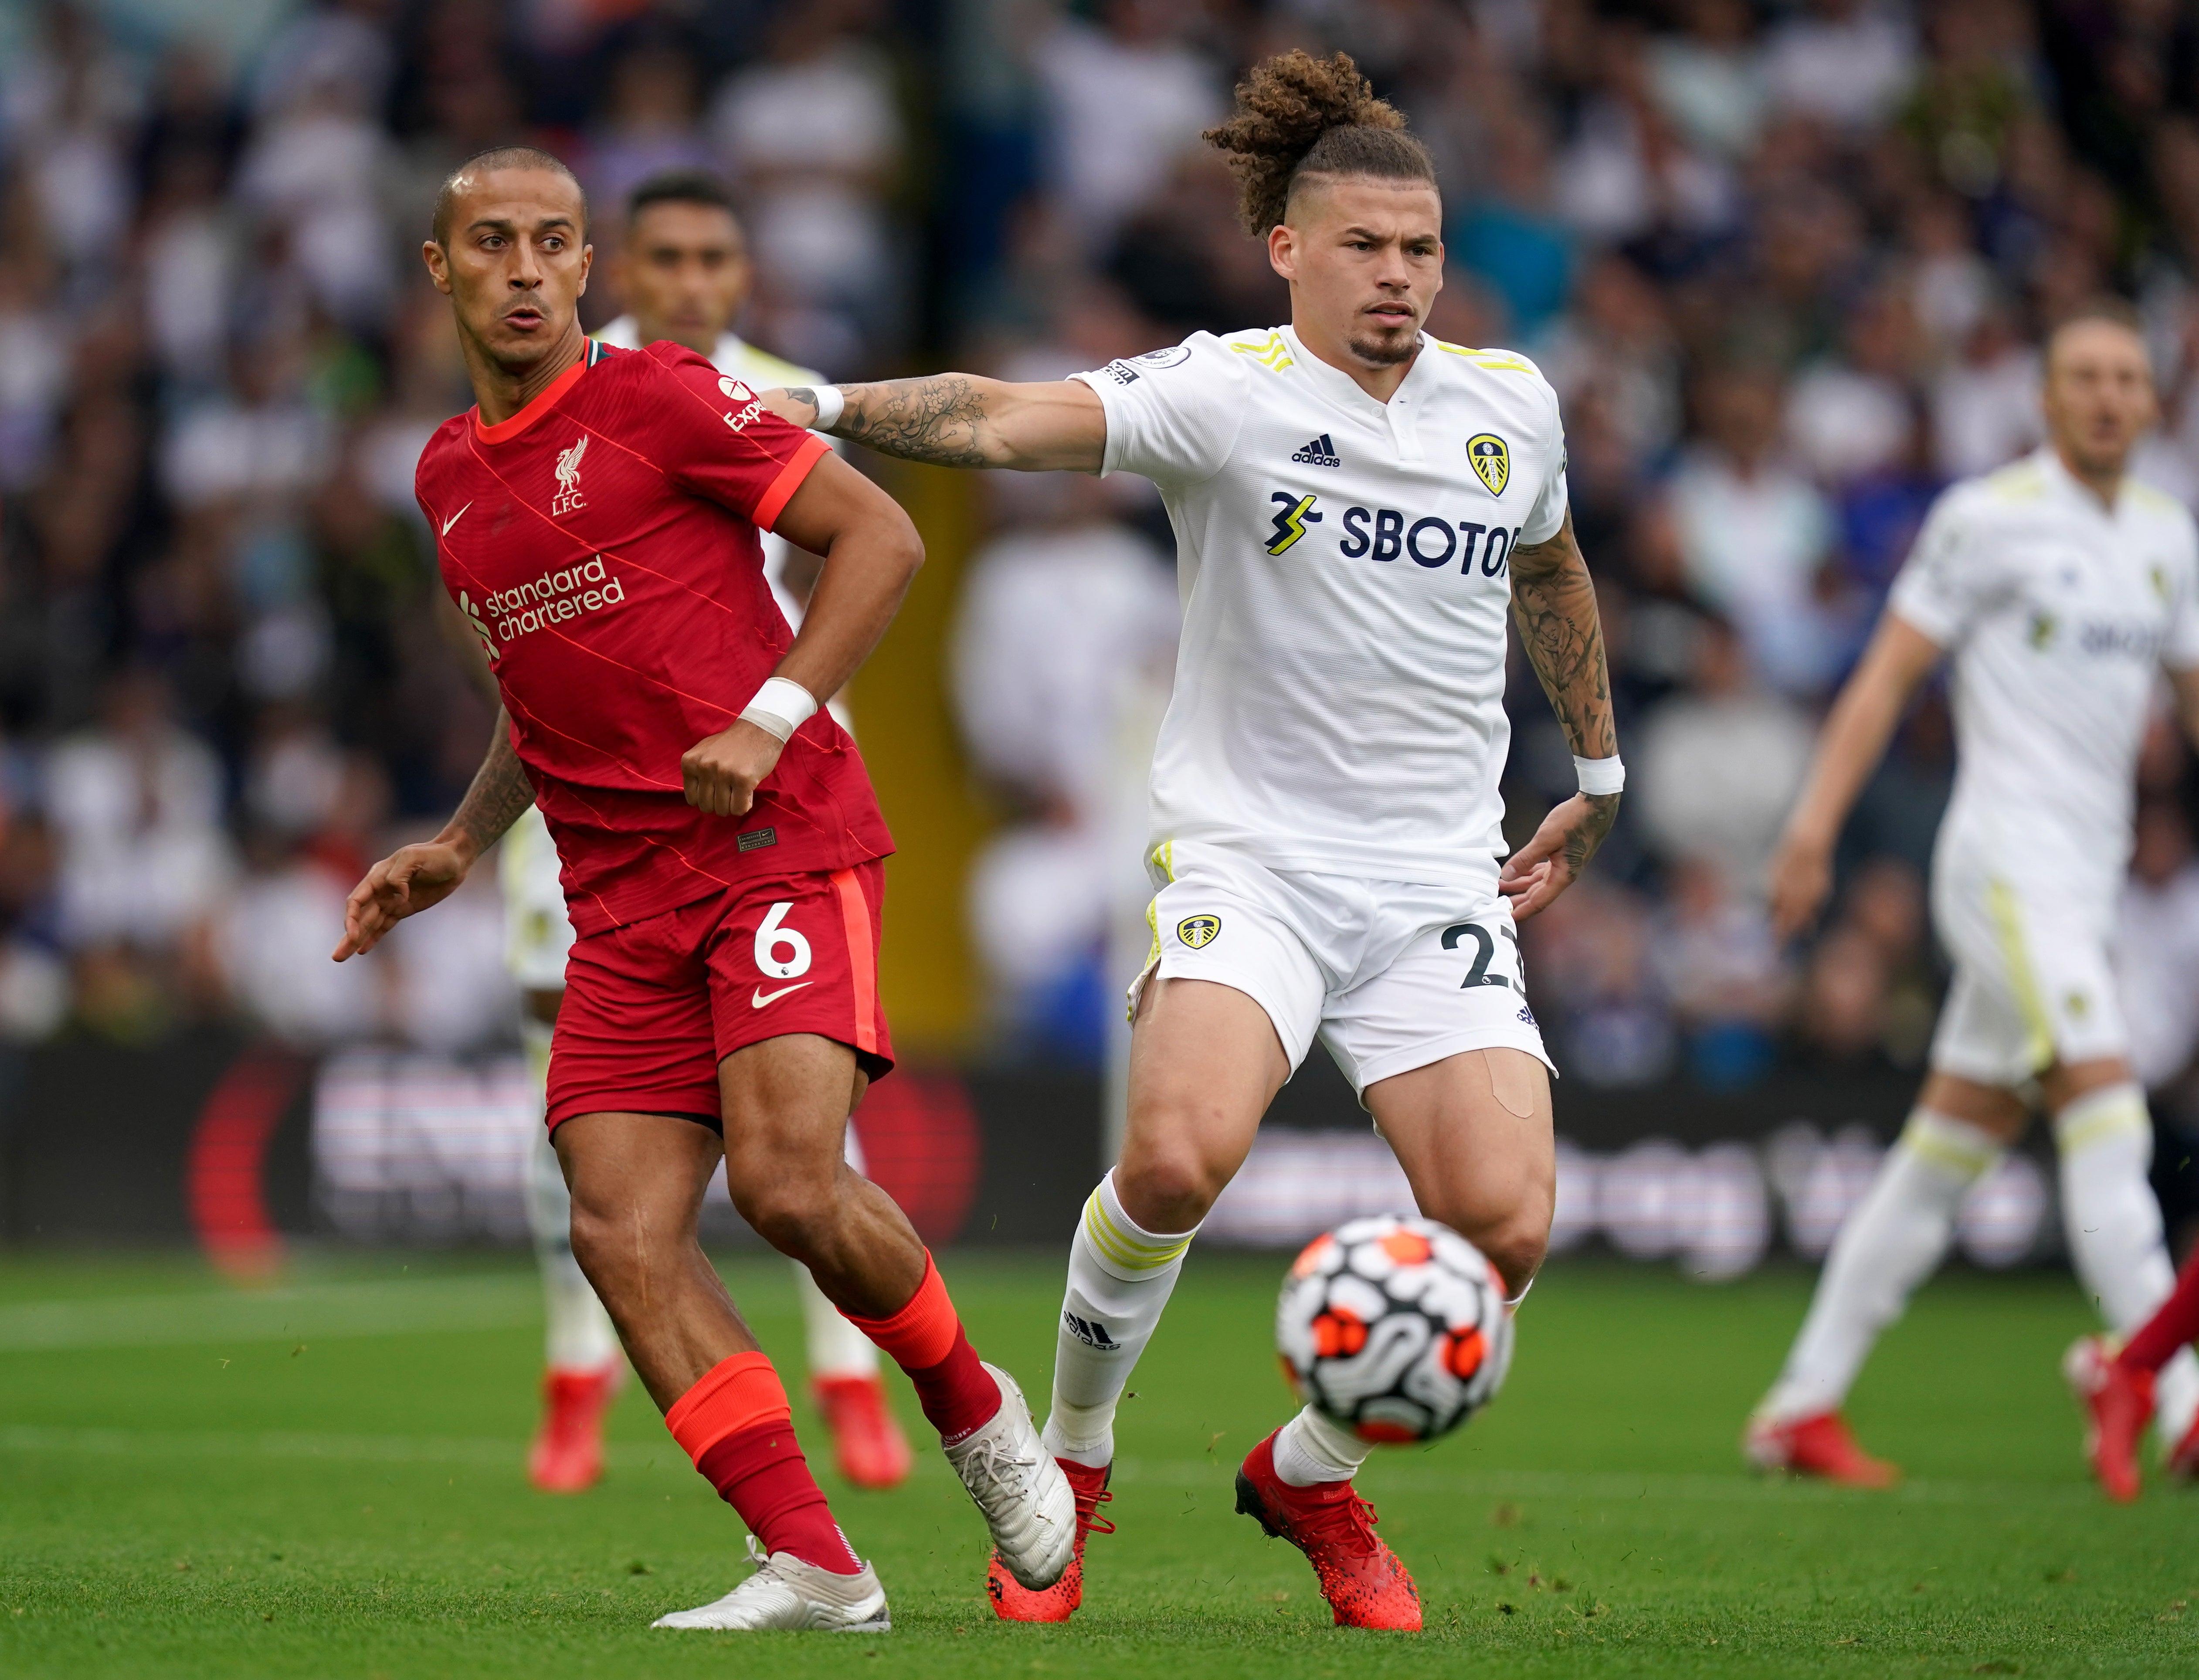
(651, 1008)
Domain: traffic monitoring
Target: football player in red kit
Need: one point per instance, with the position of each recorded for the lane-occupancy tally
(597, 519)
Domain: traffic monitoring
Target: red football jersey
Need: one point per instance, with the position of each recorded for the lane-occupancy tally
(603, 544)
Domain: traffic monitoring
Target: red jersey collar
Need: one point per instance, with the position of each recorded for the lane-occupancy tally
(505, 430)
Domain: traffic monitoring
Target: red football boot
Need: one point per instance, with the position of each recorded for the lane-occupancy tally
(1818, 1446)
(1361, 1577)
(2117, 1404)
(568, 1454)
(1012, 1601)
(867, 1444)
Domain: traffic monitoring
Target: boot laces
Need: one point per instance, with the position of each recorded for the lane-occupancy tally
(1347, 1522)
(1088, 1520)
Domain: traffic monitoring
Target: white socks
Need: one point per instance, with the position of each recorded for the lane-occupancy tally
(2109, 1211)
(1891, 1242)
(1312, 1448)
(2113, 1223)
(1120, 1277)
(577, 1332)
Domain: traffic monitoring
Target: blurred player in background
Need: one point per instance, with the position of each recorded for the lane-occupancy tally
(2060, 590)
(684, 272)
(2119, 1388)
(1358, 508)
(720, 1001)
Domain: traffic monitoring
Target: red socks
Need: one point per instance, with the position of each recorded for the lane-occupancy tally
(926, 1339)
(2173, 1325)
(736, 1425)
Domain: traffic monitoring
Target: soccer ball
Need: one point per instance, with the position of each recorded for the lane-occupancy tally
(1395, 1328)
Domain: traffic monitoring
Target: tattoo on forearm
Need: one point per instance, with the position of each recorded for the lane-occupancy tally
(1587, 835)
(1553, 604)
(498, 793)
(941, 419)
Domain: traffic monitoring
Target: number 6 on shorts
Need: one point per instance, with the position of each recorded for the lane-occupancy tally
(772, 936)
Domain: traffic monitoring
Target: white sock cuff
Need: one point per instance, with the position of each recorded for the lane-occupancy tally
(1954, 1144)
(1122, 1248)
(2111, 1111)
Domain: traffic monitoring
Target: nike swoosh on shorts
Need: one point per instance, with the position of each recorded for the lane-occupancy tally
(759, 997)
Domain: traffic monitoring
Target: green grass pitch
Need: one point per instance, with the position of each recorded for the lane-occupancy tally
(324, 1480)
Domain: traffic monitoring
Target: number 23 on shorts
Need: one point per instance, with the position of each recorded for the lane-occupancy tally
(1462, 936)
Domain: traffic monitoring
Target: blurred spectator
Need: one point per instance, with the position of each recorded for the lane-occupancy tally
(1122, 98)
(1717, 765)
(137, 805)
(1508, 233)
(2157, 946)
(650, 122)
(1709, 78)
(1847, 63)
(1060, 619)
(813, 137)
(1590, 980)
(1848, 415)
(1986, 404)
(1713, 953)
(1754, 534)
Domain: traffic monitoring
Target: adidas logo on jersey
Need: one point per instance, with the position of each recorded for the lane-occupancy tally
(1321, 452)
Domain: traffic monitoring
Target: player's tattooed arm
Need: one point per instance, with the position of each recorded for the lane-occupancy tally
(412, 878)
(497, 796)
(960, 420)
(1553, 605)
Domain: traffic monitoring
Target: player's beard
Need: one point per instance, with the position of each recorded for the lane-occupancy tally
(1385, 347)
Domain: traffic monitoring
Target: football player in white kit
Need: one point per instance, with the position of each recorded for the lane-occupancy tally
(684, 271)
(1358, 507)
(2062, 590)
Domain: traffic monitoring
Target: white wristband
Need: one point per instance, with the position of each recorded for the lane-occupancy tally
(1600, 775)
(831, 405)
(781, 706)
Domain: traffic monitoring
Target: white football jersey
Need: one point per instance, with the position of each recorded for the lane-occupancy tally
(1344, 567)
(2060, 616)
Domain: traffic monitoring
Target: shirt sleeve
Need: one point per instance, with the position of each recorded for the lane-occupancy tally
(2180, 652)
(1953, 576)
(1172, 415)
(1548, 515)
(715, 437)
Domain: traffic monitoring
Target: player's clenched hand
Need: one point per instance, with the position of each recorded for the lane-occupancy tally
(404, 884)
(1802, 876)
(720, 771)
(1554, 860)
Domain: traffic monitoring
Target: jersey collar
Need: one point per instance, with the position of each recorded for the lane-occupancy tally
(1399, 417)
(505, 430)
(2070, 487)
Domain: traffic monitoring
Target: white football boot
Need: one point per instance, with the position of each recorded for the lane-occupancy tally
(1028, 1503)
(785, 1592)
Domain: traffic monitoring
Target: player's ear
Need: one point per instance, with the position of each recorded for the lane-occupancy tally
(1283, 250)
(439, 265)
(587, 261)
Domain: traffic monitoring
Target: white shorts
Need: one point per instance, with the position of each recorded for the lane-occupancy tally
(536, 933)
(2033, 982)
(1391, 974)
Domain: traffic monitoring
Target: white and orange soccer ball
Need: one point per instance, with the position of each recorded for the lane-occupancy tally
(1396, 1328)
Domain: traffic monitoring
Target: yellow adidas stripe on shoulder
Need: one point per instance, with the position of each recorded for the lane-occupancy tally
(1496, 361)
(1272, 352)
(2019, 481)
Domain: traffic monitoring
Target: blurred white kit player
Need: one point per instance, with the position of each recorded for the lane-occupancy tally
(584, 1364)
(2060, 614)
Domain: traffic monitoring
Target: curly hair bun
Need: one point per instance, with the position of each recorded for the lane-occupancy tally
(1298, 115)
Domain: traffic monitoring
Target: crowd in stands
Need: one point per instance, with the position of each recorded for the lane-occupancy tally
(1785, 262)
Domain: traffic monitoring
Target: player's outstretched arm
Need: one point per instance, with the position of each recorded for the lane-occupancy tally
(1553, 604)
(1857, 728)
(413, 878)
(959, 420)
(871, 552)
